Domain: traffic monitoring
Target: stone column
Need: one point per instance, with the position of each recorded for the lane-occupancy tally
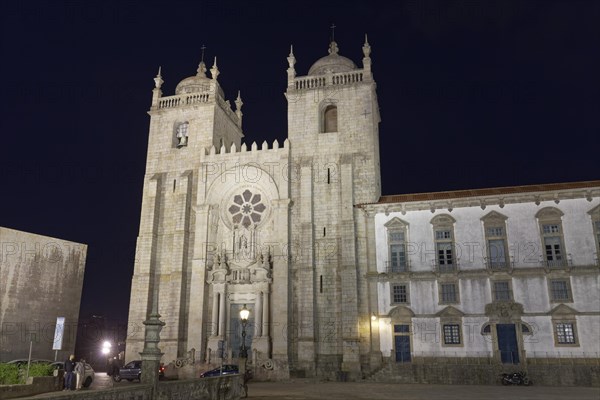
(258, 311)
(215, 315)
(265, 313)
(222, 314)
(151, 354)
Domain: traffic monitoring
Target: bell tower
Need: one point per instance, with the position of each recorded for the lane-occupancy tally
(333, 119)
(182, 126)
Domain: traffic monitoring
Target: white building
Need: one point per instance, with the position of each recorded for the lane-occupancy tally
(299, 233)
(506, 273)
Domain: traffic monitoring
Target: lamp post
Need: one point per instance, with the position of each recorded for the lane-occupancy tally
(244, 314)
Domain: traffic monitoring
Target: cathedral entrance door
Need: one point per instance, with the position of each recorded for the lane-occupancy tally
(235, 329)
(507, 343)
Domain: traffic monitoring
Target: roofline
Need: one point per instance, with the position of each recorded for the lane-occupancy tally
(496, 191)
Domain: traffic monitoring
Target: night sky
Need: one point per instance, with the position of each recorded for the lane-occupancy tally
(472, 94)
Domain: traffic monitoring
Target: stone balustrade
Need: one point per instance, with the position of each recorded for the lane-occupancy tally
(341, 78)
(183, 100)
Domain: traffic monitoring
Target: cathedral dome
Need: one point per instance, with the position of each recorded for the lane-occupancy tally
(332, 62)
(194, 84)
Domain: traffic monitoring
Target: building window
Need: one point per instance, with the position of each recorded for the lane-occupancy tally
(443, 228)
(452, 334)
(560, 290)
(565, 333)
(551, 232)
(448, 292)
(486, 329)
(397, 230)
(494, 225)
(182, 134)
(526, 329)
(330, 120)
(502, 291)
(400, 293)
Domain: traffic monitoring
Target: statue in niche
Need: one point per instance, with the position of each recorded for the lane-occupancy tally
(243, 242)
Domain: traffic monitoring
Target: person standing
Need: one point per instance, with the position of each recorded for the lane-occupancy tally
(69, 372)
(79, 371)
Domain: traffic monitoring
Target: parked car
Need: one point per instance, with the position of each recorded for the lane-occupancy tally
(227, 369)
(133, 370)
(88, 374)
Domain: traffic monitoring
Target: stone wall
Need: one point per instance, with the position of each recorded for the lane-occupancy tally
(35, 385)
(457, 371)
(42, 279)
(225, 388)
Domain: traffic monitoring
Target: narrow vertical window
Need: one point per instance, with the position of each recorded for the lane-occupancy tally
(320, 283)
(330, 123)
(328, 176)
(595, 214)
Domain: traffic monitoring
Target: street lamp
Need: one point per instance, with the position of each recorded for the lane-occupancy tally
(244, 314)
(106, 347)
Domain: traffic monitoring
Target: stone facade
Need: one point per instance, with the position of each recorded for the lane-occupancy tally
(42, 279)
(292, 230)
(226, 225)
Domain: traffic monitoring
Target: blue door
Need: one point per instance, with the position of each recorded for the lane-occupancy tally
(402, 343)
(507, 343)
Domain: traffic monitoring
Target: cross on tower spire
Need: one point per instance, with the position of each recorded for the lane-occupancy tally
(332, 32)
(202, 48)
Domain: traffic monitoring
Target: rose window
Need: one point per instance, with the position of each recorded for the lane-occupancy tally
(247, 209)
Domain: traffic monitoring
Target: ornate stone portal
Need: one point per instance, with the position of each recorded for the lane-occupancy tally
(241, 273)
(506, 313)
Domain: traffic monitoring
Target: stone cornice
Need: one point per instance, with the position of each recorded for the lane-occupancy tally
(483, 198)
(484, 315)
(484, 273)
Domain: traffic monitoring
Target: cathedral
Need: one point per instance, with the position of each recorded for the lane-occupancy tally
(341, 281)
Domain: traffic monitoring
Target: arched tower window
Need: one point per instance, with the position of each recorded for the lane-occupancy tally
(181, 133)
(330, 122)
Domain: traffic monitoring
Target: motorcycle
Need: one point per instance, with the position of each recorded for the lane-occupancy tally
(516, 378)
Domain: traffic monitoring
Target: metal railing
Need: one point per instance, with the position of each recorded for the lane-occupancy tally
(397, 267)
(445, 268)
(556, 263)
(498, 265)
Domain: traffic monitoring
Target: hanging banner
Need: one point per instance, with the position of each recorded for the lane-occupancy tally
(58, 333)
